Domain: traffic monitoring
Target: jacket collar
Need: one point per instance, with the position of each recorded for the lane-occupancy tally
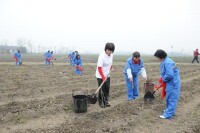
(134, 62)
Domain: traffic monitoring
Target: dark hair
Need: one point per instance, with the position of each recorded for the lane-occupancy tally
(136, 54)
(18, 51)
(110, 46)
(77, 56)
(160, 54)
(197, 49)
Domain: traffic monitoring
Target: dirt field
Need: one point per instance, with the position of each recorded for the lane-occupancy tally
(36, 98)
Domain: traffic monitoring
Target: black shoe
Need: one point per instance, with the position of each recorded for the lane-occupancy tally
(108, 105)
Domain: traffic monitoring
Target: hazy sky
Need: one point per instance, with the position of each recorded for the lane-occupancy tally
(86, 25)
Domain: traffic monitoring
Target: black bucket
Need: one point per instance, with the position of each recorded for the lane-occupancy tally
(80, 103)
(92, 99)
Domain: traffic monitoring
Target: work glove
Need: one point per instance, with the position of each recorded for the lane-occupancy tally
(163, 86)
(79, 68)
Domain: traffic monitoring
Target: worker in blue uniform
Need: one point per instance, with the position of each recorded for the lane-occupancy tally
(78, 65)
(169, 74)
(17, 58)
(134, 67)
(47, 57)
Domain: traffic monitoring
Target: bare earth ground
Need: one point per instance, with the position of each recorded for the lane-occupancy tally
(36, 98)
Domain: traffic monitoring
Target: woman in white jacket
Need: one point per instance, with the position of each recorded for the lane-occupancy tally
(104, 65)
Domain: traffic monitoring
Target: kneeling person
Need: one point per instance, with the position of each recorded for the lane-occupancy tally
(78, 64)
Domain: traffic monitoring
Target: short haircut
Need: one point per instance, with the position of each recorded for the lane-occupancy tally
(110, 46)
(136, 54)
(160, 54)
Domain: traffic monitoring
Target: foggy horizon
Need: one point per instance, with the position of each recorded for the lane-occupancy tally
(86, 26)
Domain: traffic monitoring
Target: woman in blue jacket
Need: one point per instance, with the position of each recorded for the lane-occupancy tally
(134, 68)
(17, 58)
(78, 64)
(170, 75)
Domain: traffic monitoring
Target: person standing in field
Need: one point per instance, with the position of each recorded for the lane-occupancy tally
(169, 74)
(104, 66)
(47, 57)
(196, 54)
(78, 64)
(17, 58)
(134, 67)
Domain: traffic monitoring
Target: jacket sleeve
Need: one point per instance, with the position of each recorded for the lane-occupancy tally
(169, 72)
(101, 73)
(15, 55)
(129, 73)
(128, 70)
(81, 62)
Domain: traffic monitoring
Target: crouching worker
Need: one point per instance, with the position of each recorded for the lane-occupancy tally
(134, 67)
(78, 64)
(170, 76)
(104, 66)
(17, 58)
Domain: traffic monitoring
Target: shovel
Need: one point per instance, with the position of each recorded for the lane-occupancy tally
(150, 91)
(92, 99)
(149, 96)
